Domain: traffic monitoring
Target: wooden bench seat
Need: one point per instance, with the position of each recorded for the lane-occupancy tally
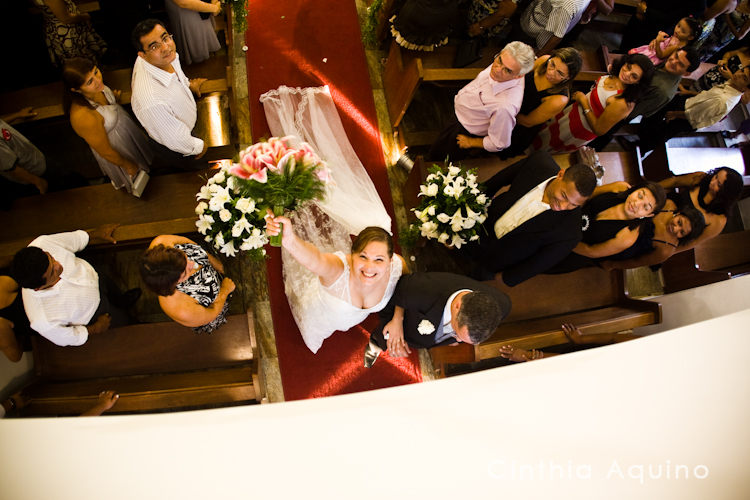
(166, 207)
(405, 70)
(47, 100)
(152, 366)
(591, 298)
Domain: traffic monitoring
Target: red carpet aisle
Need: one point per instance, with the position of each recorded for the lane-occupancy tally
(303, 43)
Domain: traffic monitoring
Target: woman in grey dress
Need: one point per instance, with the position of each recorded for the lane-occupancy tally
(118, 144)
(193, 28)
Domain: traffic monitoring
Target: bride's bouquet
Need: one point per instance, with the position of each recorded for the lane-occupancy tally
(452, 207)
(281, 176)
(228, 219)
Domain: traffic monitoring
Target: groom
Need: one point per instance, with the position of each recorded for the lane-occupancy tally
(431, 309)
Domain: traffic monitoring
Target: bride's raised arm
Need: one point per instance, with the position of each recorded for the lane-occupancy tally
(326, 266)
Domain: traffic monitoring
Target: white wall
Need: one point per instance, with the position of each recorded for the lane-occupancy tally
(699, 304)
(662, 417)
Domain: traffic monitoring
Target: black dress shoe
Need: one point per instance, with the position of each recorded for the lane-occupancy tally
(126, 299)
(372, 352)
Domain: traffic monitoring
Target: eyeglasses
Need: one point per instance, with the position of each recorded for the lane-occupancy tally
(506, 70)
(165, 39)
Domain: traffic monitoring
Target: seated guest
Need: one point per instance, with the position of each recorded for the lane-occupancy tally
(20, 161)
(15, 331)
(486, 108)
(63, 293)
(194, 30)
(340, 290)
(657, 15)
(731, 62)
(610, 100)
(68, 32)
(118, 144)
(189, 282)
(664, 86)
(671, 228)
(162, 97)
(535, 223)
(545, 22)
(546, 92)
(688, 115)
(431, 309)
(611, 222)
(489, 18)
(664, 45)
(714, 194)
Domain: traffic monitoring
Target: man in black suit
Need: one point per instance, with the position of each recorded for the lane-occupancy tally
(430, 309)
(535, 223)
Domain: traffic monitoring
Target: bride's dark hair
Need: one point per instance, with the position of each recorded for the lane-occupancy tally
(370, 234)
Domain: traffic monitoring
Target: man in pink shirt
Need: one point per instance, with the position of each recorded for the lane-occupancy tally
(486, 108)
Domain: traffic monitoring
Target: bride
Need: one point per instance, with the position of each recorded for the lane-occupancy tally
(329, 288)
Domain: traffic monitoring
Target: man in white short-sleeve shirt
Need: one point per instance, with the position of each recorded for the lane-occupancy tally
(162, 97)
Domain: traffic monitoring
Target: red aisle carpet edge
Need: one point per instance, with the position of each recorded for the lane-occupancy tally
(303, 43)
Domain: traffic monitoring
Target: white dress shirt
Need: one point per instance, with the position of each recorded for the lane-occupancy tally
(60, 313)
(711, 106)
(488, 109)
(527, 207)
(165, 106)
(447, 330)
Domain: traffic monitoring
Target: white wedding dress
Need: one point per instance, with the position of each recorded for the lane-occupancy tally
(351, 204)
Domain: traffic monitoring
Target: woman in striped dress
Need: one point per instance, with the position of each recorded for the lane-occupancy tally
(590, 115)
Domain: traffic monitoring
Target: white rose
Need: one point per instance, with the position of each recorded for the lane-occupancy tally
(245, 205)
(202, 206)
(219, 178)
(425, 327)
(449, 191)
(453, 170)
(482, 199)
(429, 230)
(225, 215)
(431, 210)
(443, 218)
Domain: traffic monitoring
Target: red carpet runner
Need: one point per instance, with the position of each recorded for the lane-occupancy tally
(304, 43)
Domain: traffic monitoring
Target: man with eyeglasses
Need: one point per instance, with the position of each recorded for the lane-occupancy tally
(162, 97)
(486, 108)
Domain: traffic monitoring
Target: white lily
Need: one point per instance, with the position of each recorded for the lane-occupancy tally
(229, 249)
(239, 226)
(201, 208)
(443, 217)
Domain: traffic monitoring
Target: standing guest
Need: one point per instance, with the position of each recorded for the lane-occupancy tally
(118, 144)
(486, 108)
(687, 115)
(610, 100)
(430, 309)
(424, 24)
(664, 86)
(68, 32)
(672, 227)
(730, 21)
(546, 92)
(665, 45)
(655, 16)
(193, 26)
(15, 332)
(20, 161)
(190, 283)
(489, 18)
(714, 194)
(162, 97)
(545, 22)
(612, 222)
(63, 293)
(535, 223)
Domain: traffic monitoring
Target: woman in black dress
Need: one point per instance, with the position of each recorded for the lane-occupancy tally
(611, 221)
(546, 93)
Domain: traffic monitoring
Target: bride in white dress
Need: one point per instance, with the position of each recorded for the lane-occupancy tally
(328, 287)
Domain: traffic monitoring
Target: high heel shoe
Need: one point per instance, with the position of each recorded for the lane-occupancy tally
(372, 352)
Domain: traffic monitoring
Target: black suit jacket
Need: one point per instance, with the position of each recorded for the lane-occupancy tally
(423, 296)
(537, 244)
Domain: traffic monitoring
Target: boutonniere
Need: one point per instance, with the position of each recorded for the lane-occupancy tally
(425, 327)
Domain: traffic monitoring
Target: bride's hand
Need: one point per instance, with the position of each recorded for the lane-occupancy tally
(273, 227)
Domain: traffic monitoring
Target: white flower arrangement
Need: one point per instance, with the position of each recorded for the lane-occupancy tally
(452, 207)
(425, 327)
(228, 220)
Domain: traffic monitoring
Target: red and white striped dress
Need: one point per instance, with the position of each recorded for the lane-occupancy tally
(569, 129)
